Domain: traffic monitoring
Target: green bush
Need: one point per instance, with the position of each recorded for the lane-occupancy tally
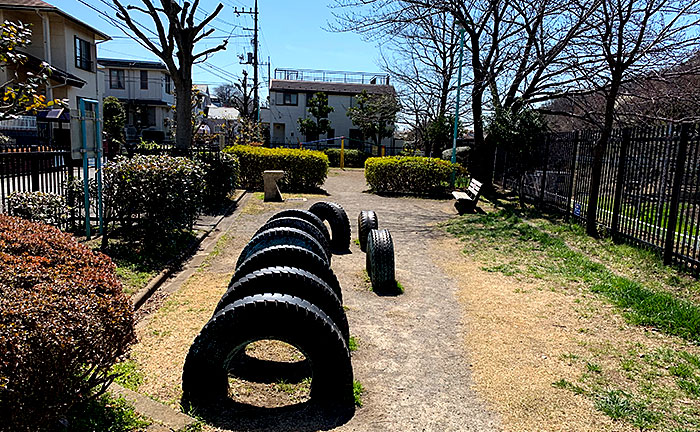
(409, 174)
(64, 322)
(304, 169)
(43, 207)
(353, 158)
(221, 171)
(156, 196)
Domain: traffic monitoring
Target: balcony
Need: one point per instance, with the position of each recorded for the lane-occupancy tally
(332, 76)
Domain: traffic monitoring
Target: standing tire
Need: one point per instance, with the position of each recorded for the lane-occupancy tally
(268, 316)
(282, 236)
(380, 261)
(300, 224)
(307, 216)
(338, 220)
(366, 222)
(290, 256)
(290, 281)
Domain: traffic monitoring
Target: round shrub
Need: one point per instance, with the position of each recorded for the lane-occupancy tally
(64, 321)
(44, 207)
(158, 195)
(304, 169)
(409, 174)
(221, 172)
(353, 158)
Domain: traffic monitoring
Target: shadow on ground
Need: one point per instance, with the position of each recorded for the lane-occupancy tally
(303, 417)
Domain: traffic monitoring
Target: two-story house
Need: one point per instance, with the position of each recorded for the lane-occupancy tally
(291, 89)
(65, 43)
(147, 93)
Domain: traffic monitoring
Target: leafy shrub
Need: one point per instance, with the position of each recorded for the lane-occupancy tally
(408, 174)
(157, 195)
(462, 155)
(304, 169)
(64, 321)
(353, 158)
(221, 172)
(44, 207)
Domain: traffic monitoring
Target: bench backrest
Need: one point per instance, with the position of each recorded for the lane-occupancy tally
(474, 188)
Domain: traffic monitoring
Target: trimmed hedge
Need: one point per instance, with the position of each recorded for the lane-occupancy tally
(221, 171)
(43, 207)
(410, 174)
(304, 169)
(157, 195)
(353, 158)
(64, 321)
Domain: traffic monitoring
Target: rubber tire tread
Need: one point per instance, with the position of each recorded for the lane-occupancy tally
(366, 221)
(282, 236)
(300, 224)
(379, 261)
(338, 220)
(291, 281)
(290, 256)
(307, 216)
(268, 316)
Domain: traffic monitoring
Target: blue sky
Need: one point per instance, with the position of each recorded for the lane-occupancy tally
(292, 35)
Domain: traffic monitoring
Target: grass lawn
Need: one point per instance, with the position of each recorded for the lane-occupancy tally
(648, 381)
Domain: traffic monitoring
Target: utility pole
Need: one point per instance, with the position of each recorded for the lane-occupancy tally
(256, 101)
(254, 60)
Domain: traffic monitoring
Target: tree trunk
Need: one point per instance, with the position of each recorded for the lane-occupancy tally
(482, 162)
(183, 133)
(598, 155)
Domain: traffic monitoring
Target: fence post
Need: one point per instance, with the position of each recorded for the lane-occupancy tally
(676, 193)
(574, 154)
(34, 167)
(619, 182)
(543, 184)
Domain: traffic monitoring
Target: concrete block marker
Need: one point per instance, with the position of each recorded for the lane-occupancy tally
(272, 192)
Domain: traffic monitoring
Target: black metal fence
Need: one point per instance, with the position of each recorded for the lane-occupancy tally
(649, 189)
(35, 168)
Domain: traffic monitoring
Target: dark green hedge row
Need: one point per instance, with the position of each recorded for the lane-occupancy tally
(353, 158)
(64, 322)
(410, 174)
(304, 169)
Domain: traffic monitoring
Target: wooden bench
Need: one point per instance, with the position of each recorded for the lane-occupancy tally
(466, 201)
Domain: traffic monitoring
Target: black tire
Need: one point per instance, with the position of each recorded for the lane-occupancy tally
(380, 261)
(338, 220)
(290, 256)
(268, 316)
(366, 221)
(290, 281)
(307, 216)
(300, 224)
(282, 236)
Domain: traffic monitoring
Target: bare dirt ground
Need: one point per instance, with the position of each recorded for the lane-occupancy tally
(411, 357)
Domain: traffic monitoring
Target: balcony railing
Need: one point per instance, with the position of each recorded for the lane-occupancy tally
(332, 76)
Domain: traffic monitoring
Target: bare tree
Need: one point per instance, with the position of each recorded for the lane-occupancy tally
(514, 50)
(238, 95)
(422, 60)
(626, 42)
(176, 36)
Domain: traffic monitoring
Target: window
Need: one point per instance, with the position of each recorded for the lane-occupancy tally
(167, 84)
(144, 80)
(83, 55)
(116, 78)
(285, 98)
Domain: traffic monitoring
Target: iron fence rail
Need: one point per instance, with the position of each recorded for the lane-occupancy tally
(649, 186)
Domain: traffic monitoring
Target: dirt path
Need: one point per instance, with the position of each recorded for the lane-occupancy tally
(411, 358)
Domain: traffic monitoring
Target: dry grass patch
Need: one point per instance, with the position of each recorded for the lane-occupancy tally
(550, 354)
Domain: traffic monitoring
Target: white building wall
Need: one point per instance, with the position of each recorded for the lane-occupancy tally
(289, 115)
